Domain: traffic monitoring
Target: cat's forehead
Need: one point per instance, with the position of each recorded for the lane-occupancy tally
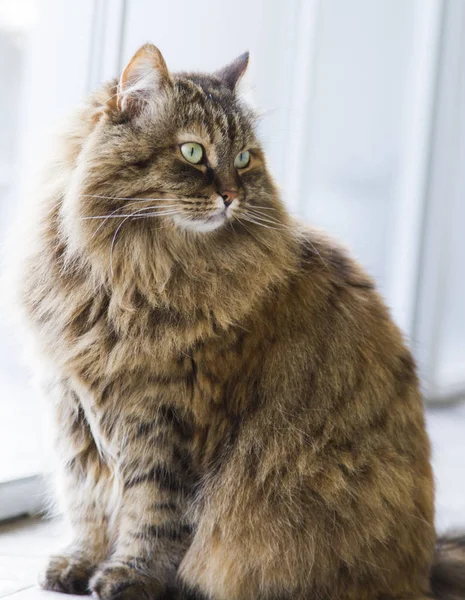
(209, 113)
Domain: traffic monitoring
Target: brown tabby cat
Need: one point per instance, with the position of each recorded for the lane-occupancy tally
(238, 417)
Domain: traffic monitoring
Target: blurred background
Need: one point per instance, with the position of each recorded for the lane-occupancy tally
(364, 126)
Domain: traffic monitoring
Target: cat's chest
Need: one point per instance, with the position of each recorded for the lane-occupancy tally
(212, 379)
(202, 392)
(140, 356)
(159, 357)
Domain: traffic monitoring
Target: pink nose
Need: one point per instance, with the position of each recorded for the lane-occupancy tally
(228, 196)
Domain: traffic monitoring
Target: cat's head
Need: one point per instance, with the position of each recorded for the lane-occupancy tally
(175, 151)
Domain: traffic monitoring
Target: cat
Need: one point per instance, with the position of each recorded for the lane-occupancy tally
(237, 415)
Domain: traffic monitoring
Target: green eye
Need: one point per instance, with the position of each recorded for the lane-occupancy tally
(242, 160)
(192, 152)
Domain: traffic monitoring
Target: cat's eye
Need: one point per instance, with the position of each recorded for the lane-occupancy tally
(242, 160)
(192, 152)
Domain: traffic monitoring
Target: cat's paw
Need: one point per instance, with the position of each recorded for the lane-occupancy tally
(67, 573)
(122, 582)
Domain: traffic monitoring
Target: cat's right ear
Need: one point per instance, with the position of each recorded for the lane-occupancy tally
(145, 76)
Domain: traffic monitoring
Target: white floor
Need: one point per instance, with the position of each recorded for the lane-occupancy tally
(25, 545)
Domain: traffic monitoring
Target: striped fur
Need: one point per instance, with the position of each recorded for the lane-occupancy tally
(238, 418)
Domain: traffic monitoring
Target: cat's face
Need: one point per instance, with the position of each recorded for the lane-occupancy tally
(177, 150)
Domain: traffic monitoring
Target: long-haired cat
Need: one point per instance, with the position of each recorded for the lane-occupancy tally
(238, 417)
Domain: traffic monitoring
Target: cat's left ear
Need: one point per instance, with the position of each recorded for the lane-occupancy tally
(145, 76)
(231, 74)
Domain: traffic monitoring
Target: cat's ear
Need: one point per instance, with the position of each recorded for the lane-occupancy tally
(145, 76)
(231, 74)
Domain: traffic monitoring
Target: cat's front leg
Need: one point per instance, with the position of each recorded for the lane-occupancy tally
(156, 479)
(84, 484)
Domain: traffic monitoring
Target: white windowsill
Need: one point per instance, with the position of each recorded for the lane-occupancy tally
(24, 547)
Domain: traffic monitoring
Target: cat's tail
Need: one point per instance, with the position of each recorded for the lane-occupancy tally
(448, 571)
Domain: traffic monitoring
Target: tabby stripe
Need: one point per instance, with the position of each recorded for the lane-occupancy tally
(144, 429)
(232, 127)
(120, 587)
(183, 462)
(164, 506)
(135, 563)
(167, 420)
(361, 285)
(167, 379)
(221, 122)
(164, 478)
(171, 416)
(173, 533)
(108, 423)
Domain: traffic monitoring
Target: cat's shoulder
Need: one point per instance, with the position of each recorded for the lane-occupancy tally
(322, 259)
(333, 298)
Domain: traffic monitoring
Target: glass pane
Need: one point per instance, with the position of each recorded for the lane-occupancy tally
(21, 434)
(451, 347)
(355, 146)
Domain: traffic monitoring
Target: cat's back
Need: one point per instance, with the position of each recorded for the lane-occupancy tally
(331, 302)
(339, 361)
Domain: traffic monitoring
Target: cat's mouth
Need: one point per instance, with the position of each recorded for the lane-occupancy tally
(204, 225)
(210, 222)
(216, 218)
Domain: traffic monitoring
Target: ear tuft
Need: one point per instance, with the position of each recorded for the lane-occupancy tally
(144, 76)
(232, 73)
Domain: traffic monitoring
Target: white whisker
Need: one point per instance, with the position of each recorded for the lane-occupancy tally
(248, 230)
(256, 206)
(256, 216)
(125, 198)
(267, 219)
(157, 214)
(111, 215)
(132, 215)
(261, 223)
(113, 243)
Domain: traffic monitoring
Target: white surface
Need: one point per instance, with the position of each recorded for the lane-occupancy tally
(24, 547)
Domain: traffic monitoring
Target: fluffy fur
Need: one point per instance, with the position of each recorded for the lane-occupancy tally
(238, 417)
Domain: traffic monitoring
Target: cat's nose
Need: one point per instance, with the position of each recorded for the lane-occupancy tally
(228, 196)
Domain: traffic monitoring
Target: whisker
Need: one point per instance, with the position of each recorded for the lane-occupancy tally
(249, 232)
(260, 209)
(267, 219)
(113, 213)
(261, 220)
(124, 198)
(323, 260)
(113, 243)
(157, 214)
(132, 215)
(105, 220)
(113, 216)
(257, 206)
(261, 223)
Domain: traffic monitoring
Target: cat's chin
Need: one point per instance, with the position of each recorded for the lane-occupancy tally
(201, 225)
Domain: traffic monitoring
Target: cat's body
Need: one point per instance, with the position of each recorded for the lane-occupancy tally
(238, 416)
